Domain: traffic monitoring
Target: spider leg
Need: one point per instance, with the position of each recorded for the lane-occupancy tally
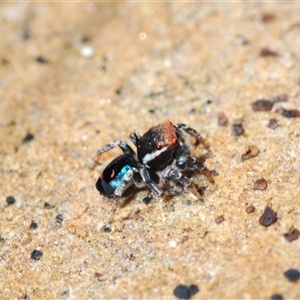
(146, 178)
(192, 132)
(134, 137)
(123, 145)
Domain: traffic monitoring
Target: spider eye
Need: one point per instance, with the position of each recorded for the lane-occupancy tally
(159, 147)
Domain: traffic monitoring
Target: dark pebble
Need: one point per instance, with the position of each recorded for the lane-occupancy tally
(267, 52)
(268, 217)
(33, 225)
(262, 105)
(193, 289)
(273, 123)
(10, 200)
(47, 205)
(147, 200)
(2, 241)
(185, 292)
(222, 119)
(237, 129)
(292, 235)
(220, 219)
(107, 228)
(85, 39)
(251, 152)
(42, 60)
(250, 209)
(266, 18)
(289, 113)
(59, 218)
(36, 254)
(260, 184)
(28, 138)
(292, 275)
(182, 292)
(276, 297)
(202, 190)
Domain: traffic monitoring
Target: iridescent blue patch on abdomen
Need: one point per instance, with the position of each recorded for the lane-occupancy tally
(119, 178)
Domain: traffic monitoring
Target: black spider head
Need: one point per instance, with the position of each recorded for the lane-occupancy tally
(157, 146)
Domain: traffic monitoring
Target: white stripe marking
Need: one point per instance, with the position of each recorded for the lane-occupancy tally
(152, 155)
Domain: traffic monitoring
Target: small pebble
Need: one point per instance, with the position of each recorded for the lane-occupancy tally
(237, 129)
(28, 138)
(289, 113)
(47, 205)
(250, 153)
(250, 209)
(41, 60)
(59, 218)
(220, 219)
(262, 105)
(276, 297)
(267, 52)
(273, 123)
(266, 18)
(172, 244)
(260, 184)
(292, 235)
(33, 225)
(222, 119)
(10, 200)
(87, 51)
(107, 228)
(292, 275)
(193, 289)
(185, 292)
(147, 199)
(268, 217)
(36, 254)
(2, 241)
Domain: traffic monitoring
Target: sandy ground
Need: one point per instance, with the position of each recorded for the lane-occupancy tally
(75, 76)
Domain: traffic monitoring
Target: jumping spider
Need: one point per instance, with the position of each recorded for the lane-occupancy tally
(161, 162)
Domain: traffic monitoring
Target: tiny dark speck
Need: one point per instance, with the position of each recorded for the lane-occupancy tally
(147, 199)
(289, 113)
(65, 293)
(85, 39)
(33, 225)
(185, 292)
(42, 60)
(268, 217)
(194, 289)
(262, 105)
(59, 218)
(267, 52)
(292, 235)
(28, 138)
(107, 228)
(276, 297)
(10, 200)
(292, 275)
(237, 129)
(36, 254)
(182, 292)
(47, 205)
